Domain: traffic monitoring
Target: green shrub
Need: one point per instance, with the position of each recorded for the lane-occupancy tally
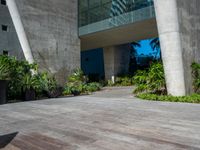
(48, 86)
(151, 80)
(16, 74)
(121, 81)
(23, 76)
(47, 82)
(196, 77)
(92, 87)
(110, 83)
(78, 84)
(124, 81)
(195, 98)
(30, 82)
(4, 68)
(77, 75)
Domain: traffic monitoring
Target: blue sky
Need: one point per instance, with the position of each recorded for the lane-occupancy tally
(145, 47)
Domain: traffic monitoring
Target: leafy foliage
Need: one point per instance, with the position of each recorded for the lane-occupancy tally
(30, 82)
(155, 45)
(4, 68)
(121, 81)
(195, 98)
(94, 86)
(16, 72)
(78, 84)
(47, 82)
(149, 95)
(151, 80)
(77, 75)
(196, 77)
(23, 76)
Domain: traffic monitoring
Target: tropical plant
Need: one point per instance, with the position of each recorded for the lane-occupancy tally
(125, 80)
(77, 75)
(4, 68)
(155, 45)
(24, 77)
(47, 82)
(78, 84)
(92, 87)
(196, 76)
(30, 82)
(48, 85)
(194, 98)
(140, 81)
(134, 45)
(151, 80)
(133, 61)
(18, 70)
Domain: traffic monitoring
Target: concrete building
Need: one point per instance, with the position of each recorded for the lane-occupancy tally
(9, 43)
(50, 33)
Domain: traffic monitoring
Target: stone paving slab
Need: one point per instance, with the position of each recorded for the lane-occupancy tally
(106, 120)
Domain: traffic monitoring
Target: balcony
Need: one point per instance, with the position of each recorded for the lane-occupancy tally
(100, 15)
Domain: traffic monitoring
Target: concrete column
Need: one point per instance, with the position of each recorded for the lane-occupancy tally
(116, 61)
(169, 34)
(20, 30)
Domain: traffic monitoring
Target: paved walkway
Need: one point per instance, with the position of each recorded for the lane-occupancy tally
(108, 120)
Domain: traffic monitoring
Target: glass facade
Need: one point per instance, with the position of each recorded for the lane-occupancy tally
(91, 11)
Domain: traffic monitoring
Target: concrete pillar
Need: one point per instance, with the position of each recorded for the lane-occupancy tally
(116, 61)
(189, 27)
(169, 34)
(20, 30)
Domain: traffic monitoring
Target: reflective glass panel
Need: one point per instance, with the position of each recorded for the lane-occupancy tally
(91, 11)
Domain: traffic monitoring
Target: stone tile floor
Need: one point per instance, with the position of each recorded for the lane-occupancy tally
(108, 120)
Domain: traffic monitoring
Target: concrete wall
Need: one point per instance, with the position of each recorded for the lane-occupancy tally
(8, 39)
(178, 24)
(119, 35)
(52, 33)
(116, 60)
(189, 24)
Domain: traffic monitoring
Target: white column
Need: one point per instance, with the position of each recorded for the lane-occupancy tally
(169, 34)
(109, 62)
(20, 30)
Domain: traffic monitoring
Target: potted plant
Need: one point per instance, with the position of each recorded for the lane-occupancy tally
(29, 85)
(4, 76)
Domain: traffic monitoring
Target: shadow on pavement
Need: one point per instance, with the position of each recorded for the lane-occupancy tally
(6, 139)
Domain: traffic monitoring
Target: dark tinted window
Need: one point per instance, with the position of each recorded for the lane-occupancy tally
(4, 27)
(3, 2)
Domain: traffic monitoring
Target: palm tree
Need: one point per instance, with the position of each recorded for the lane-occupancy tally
(133, 61)
(155, 45)
(134, 45)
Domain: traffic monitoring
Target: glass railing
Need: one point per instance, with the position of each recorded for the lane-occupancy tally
(92, 11)
(118, 21)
